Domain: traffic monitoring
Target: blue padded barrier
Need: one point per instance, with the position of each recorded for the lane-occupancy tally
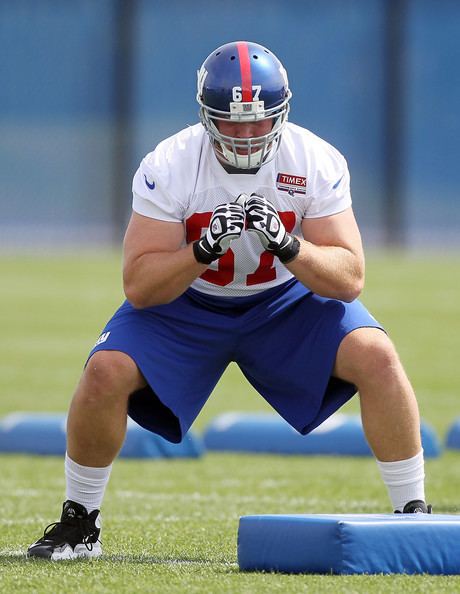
(350, 544)
(341, 434)
(45, 433)
(453, 435)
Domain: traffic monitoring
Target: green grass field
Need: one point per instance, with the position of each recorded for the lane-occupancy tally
(170, 526)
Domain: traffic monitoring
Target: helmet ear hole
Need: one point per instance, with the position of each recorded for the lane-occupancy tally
(243, 82)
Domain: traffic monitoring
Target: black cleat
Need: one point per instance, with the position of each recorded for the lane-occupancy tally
(416, 507)
(76, 535)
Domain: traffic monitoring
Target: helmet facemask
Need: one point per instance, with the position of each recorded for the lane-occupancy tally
(245, 153)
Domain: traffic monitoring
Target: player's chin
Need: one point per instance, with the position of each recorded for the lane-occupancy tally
(240, 151)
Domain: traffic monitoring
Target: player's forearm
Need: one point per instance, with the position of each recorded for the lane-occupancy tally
(160, 277)
(329, 271)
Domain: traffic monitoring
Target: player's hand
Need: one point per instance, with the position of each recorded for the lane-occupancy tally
(226, 224)
(263, 219)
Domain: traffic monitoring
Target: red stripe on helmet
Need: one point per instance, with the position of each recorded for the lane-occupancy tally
(245, 65)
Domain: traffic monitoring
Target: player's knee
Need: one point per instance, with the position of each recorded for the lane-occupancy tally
(108, 373)
(368, 355)
(380, 357)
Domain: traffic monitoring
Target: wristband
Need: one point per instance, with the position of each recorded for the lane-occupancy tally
(202, 255)
(290, 251)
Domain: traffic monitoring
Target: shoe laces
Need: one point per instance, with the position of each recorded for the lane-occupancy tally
(81, 524)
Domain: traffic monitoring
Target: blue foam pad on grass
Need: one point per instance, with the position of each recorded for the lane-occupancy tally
(45, 433)
(453, 436)
(350, 544)
(341, 434)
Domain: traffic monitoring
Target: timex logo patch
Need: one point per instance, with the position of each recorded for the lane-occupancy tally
(293, 184)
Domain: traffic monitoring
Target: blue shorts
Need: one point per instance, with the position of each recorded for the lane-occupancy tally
(284, 340)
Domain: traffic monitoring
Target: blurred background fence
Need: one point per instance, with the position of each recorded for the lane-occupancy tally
(87, 87)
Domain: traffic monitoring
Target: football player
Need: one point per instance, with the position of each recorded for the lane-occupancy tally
(243, 247)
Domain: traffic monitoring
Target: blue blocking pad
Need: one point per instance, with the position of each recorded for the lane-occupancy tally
(341, 434)
(453, 436)
(45, 434)
(350, 544)
(36, 433)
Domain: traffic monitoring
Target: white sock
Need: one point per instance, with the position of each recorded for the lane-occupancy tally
(86, 485)
(404, 480)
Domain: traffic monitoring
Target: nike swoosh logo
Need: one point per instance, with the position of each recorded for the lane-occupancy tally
(334, 187)
(149, 185)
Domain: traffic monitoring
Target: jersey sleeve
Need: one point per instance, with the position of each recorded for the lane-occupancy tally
(152, 196)
(330, 193)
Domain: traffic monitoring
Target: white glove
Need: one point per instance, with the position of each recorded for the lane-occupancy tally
(226, 224)
(263, 219)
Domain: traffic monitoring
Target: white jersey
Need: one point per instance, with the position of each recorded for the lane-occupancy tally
(182, 181)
